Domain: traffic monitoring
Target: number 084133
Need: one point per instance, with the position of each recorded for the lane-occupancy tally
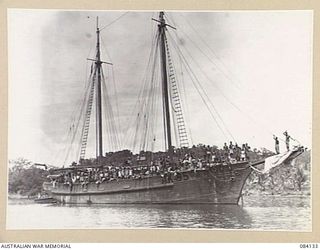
(309, 245)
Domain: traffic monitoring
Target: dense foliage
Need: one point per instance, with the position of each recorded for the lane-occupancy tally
(293, 178)
(24, 178)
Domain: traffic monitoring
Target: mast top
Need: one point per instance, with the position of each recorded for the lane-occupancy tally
(162, 21)
(97, 24)
(161, 17)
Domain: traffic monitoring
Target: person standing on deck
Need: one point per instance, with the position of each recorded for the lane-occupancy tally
(225, 151)
(287, 140)
(276, 141)
(231, 150)
(243, 153)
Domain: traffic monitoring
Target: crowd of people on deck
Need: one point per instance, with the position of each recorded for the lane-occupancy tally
(146, 164)
(183, 159)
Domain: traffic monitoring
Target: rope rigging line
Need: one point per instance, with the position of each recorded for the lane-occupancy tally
(149, 111)
(86, 93)
(202, 86)
(108, 127)
(117, 103)
(213, 106)
(225, 73)
(156, 110)
(115, 20)
(118, 123)
(56, 157)
(179, 83)
(109, 117)
(180, 130)
(140, 95)
(217, 67)
(145, 97)
(222, 93)
(148, 106)
(86, 120)
(198, 88)
(91, 67)
(77, 108)
(184, 99)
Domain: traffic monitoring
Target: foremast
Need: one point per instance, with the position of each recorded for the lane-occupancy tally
(95, 91)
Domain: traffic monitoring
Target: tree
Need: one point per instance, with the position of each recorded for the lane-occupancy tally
(25, 178)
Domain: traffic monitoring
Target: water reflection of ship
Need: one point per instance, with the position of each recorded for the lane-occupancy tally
(203, 216)
(168, 181)
(168, 216)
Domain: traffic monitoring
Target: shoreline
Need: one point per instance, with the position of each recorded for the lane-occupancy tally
(25, 198)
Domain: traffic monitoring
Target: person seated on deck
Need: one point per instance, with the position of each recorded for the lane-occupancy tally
(65, 178)
(130, 172)
(86, 182)
(125, 172)
(68, 178)
(74, 178)
(208, 154)
(101, 177)
(98, 178)
(186, 162)
(119, 174)
(158, 168)
(169, 178)
(179, 164)
(214, 157)
(231, 159)
(146, 171)
(198, 165)
(194, 163)
(115, 173)
(108, 175)
(163, 178)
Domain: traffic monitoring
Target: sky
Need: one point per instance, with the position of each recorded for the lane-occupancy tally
(255, 66)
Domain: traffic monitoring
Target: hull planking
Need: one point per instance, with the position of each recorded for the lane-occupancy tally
(219, 184)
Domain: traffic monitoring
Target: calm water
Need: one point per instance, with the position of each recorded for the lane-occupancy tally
(258, 213)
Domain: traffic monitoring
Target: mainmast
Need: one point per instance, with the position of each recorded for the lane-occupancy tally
(99, 146)
(165, 94)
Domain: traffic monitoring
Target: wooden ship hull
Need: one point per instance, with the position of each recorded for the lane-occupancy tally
(220, 184)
